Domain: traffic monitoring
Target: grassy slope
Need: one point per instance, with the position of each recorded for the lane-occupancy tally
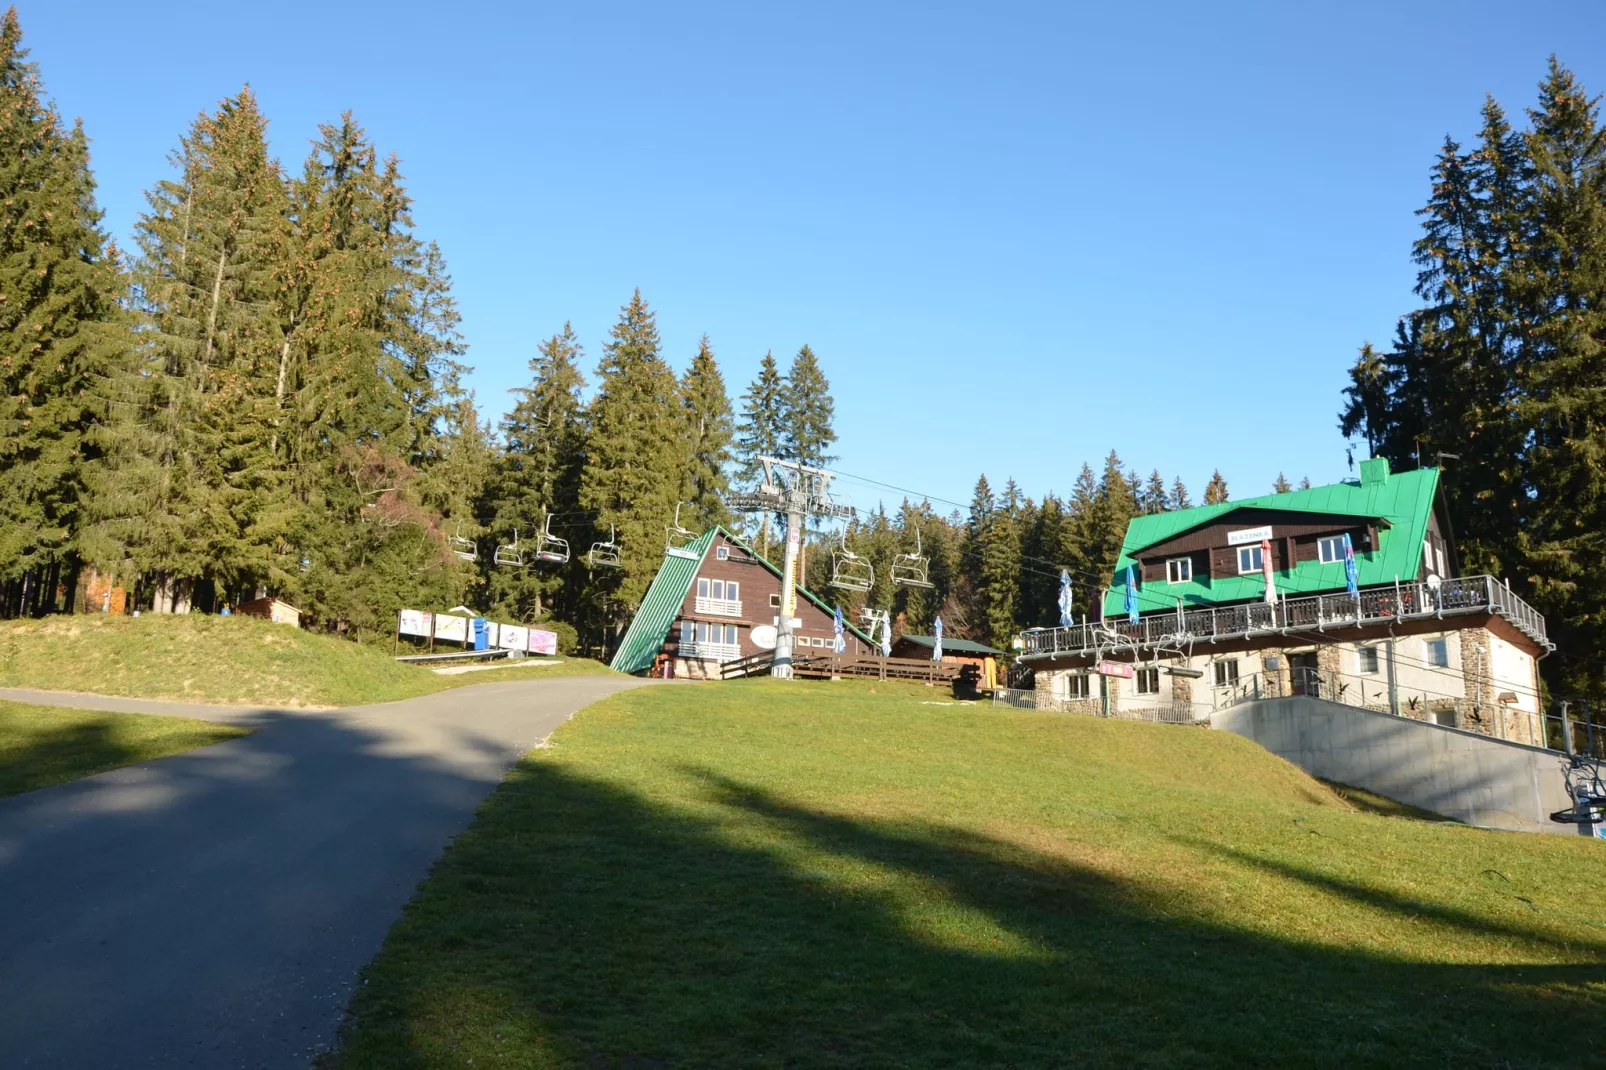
(40, 745)
(228, 660)
(768, 874)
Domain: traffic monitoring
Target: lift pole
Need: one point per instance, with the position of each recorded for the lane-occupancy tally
(798, 492)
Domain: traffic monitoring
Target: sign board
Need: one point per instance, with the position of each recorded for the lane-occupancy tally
(452, 629)
(1115, 668)
(763, 636)
(414, 623)
(513, 637)
(543, 642)
(1248, 535)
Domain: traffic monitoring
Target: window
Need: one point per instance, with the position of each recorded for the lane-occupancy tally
(1438, 652)
(1330, 549)
(775, 601)
(731, 593)
(1076, 686)
(1179, 570)
(1227, 672)
(731, 638)
(718, 589)
(702, 588)
(688, 632)
(1438, 554)
(1367, 656)
(1148, 681)
(1249, 559)
(722, 553)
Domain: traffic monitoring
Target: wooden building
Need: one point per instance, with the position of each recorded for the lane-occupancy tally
(716, 600)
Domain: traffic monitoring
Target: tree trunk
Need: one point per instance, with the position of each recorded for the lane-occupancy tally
(211, 317)
(278, 391)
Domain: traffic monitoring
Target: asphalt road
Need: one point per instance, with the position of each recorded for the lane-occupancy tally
(213, 909)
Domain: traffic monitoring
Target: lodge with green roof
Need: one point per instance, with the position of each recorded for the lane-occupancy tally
(1208, 605)
(716, 600)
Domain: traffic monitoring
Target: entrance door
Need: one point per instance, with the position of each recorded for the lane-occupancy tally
(1302, 667)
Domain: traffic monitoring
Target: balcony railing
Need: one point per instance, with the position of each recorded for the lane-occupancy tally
(710, 651)
(719, 607)
(1318, 613)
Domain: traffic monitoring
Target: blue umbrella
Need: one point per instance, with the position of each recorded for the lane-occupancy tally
(836, 626)
(886, 636)
(1066, 620)
(1132, 593)
(936, 642)
(1352, 571)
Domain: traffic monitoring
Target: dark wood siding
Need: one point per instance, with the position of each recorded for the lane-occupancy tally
(1294, 538)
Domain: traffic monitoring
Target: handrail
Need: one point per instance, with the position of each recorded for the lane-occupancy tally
(1377, 605)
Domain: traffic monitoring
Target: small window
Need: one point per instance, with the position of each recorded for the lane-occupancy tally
(702, 631)
(702, 588)
(731, 592)
(722, 553)
(1148, 681)
(775, 601)
(730, 635)
(1438, 554)
(688, 632)
(1076, 686)
(1367, 656)
(1330, 549)
(1438, 651)
(1249, 559)
(1227, 672)
(1179, 570)
(718, 590)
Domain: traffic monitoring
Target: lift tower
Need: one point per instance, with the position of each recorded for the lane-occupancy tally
(799, 492)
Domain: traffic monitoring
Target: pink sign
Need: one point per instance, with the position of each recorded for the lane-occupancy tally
(1115, 668)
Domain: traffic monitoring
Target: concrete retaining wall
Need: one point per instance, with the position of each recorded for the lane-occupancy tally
(1463, 775)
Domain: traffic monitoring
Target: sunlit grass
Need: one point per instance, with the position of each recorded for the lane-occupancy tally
(843, 874)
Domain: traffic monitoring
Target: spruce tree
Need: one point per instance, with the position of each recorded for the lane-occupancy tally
(1154, 498)
(708, 423)
(807, 412)
(1280, 485)
(636, 450)
(61, 342)
(1179, 495)
(1216, 490)
(759, 433)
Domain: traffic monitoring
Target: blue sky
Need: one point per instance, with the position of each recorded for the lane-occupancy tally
(1016, 235)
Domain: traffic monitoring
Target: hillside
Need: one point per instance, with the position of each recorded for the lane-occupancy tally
(230, 660)
(764, 873)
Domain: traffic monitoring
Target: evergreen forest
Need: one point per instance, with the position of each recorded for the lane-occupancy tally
(263, 394)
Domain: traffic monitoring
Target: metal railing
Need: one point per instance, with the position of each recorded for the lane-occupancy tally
(710, 651)
(1162, 712)
(1378, 605)
(719, 607)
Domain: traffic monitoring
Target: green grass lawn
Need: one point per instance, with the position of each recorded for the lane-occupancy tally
(229, 660)
(851, 874)
(42, 745)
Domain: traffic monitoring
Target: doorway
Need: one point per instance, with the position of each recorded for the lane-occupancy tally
(1305, 679)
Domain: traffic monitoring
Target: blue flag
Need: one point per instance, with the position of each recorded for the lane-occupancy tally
(936, 643)
(1132, 593)
(886, 636)
(1066, 620)
(836, 626)
(1352, 572)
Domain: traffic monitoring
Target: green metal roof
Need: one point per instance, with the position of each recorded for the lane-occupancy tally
(951, 646)
(661, 604)
(1402, 503)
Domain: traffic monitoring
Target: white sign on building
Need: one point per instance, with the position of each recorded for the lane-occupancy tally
(1248, 535)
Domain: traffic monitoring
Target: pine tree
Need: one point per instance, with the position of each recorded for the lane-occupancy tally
(636, 450)
(807, 412)
(759, 434)
(1304, 483)
(1216, 490)
(1280, 485)
(1179, 495)
(61, 341)
(1154, 498)
(708, 422)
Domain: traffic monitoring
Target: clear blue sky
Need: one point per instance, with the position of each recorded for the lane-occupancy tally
(1017, 235)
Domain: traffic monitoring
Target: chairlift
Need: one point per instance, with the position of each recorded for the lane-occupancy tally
(910, 570)
(676, 538)
(552, 550)
(605, 554)
(509, 554)
(849, 571)
(463, 549)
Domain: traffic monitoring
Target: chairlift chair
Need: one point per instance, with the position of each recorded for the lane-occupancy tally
(552, 550)
(463, 549)
(849, 571)
(910, 570)
(677, 537)
(509, 554)
(605, 554)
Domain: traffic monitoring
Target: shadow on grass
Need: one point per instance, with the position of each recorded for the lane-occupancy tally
(580, 924)
(35, 754)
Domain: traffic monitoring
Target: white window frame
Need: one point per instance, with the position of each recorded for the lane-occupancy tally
(775, 601)
(1150, 676)
(1330, 549)
(1362, 654)
(702, 587)
(722, 553)
(1076, 686)
(1178, 569)
(688, 632)
(1226, 672)
(1428, 652)
(1258, 565)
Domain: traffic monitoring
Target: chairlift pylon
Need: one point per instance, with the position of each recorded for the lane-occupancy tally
(463, 549)
(677, 537)
(605, 554)
(849, 571)
(552, 550)
(911, 570)
(509, 554)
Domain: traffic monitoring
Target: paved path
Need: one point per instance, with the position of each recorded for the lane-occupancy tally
(214, 908)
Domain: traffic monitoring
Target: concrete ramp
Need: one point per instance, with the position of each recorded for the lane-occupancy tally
(1462, 775)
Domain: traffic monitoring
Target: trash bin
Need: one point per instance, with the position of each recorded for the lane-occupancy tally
(481, 633)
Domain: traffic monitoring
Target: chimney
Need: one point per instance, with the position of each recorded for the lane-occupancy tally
(1375, 472)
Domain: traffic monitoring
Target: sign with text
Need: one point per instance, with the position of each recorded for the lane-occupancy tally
(543, 642)
(1115, 668)
(513, 637)
(414, 623)
(452, 629)
(1244, 536)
